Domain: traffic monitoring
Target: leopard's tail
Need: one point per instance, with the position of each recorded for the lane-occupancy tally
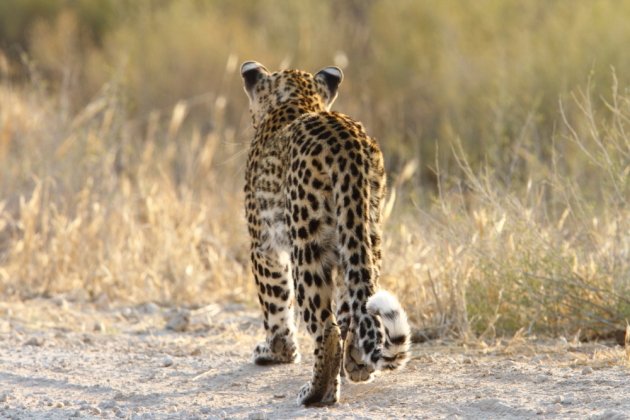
(396, 332)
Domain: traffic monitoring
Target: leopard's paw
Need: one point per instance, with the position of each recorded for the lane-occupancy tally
(316, 396)
(355, 368)
(275, 351)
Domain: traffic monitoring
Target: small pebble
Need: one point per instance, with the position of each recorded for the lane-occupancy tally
(167, 361)
(150, 308)
(105, 405)
(587, 370)
(91, 409)
(99, 327)
(61, 302)
(129, 314)
(34, 341)
(179, 321)
(564, 399)
(610, 415)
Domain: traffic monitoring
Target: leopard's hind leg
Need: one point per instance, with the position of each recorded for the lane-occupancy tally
(314, 259)
(275, 294)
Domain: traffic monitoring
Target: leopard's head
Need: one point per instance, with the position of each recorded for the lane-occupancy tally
(271, 91)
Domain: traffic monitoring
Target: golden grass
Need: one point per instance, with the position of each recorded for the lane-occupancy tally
(121, 165)
(419, 74)
(100, 222)
(552, 257)
(97, 206)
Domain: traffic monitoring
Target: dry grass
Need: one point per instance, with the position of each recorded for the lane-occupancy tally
(155, 214)
(420, 74)
(121, 165)
(108, 211)
(552, 257)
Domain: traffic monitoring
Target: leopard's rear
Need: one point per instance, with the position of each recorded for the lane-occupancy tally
(314, 191)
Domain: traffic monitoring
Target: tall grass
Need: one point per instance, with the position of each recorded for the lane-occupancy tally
(552, 257)
(97, 206)
(121, 158)
(419, 73)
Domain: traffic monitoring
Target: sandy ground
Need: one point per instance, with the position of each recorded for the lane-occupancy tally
(63, 359)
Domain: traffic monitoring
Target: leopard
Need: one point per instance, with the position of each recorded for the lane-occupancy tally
(314, 197)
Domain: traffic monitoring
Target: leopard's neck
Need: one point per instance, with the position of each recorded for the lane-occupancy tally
(285, 114)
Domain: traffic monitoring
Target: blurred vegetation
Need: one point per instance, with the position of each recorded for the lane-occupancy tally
(18, 19)
(419, 73)
(123, 128)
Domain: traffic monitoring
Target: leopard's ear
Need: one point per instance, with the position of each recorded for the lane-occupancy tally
(252, 72)
(332, 77)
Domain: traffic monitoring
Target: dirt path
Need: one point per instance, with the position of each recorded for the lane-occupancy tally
(60, 359)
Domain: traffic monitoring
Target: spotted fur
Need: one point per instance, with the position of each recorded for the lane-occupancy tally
(314, 189)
